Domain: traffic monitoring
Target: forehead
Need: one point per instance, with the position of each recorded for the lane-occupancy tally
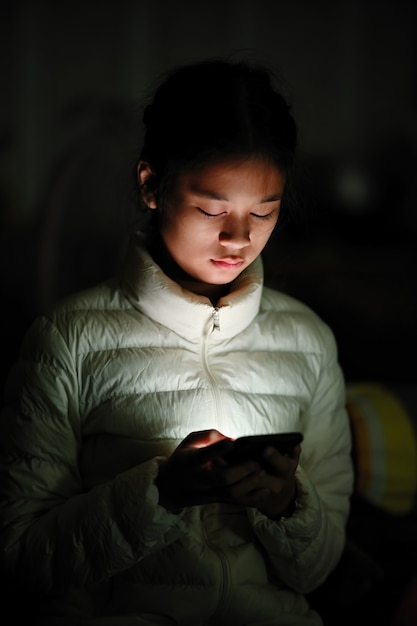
(257, 176)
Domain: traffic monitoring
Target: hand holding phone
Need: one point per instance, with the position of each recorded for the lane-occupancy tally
(259, 471)
(199, 471)
(252, 447)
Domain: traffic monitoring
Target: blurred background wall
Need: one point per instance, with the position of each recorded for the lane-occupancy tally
(75, 77)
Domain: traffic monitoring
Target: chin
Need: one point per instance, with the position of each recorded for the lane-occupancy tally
(224, 281)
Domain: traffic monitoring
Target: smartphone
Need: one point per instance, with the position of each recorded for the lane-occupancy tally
(252, 446)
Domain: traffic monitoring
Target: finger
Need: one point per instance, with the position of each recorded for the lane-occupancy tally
(295, 452)
(250, 483)
(281, 463)
(197, 438)
(202, 439)
(214, 451)
(237, 473)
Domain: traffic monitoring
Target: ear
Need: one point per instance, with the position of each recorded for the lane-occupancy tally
(147, 180)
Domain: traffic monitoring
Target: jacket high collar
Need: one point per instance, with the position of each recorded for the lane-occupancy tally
(190, 315)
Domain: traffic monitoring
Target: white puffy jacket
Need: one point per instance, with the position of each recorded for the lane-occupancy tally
(111, 382)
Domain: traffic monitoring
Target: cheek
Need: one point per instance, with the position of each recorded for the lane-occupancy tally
(185, 235)
(263, 232)
(196, 231)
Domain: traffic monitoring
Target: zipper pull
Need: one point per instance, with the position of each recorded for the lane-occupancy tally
(216, 318)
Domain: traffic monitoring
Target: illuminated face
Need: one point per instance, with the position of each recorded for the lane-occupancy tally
(219, 218)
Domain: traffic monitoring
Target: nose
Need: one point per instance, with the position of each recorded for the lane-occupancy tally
(235, 233)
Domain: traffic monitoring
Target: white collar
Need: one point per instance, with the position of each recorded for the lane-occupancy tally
(189, 315)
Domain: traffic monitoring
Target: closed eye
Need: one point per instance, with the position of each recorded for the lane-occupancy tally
(268, 216)
(209, 214)
(264, 217)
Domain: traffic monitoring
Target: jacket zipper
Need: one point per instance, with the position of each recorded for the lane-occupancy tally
(224, 584)
(216, 318)
(215, 327)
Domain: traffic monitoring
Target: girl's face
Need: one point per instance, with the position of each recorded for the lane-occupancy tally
(219, 218)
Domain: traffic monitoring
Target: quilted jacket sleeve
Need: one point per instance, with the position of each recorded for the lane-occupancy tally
(306, 547)
(47, 518)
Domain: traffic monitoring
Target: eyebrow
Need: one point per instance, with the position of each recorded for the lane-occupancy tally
(212, 195)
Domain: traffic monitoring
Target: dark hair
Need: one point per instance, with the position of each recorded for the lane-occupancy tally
(213, 111)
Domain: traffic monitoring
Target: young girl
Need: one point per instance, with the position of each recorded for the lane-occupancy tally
(115, 511)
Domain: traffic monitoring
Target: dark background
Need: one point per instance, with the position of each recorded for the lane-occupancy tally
(74, 78)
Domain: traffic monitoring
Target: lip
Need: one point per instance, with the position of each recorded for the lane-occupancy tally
(227, 263)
